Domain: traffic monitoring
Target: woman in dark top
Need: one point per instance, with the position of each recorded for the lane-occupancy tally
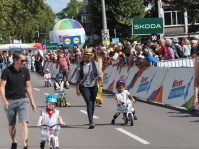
(87, 74)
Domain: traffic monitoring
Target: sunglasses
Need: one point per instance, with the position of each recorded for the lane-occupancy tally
(87, 55)
(23, 61)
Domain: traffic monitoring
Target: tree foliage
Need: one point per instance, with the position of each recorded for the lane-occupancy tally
(20, 19)
(71, 11)
(119, 15)
(191, 6)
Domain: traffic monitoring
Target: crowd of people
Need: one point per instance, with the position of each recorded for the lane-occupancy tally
(134, 54)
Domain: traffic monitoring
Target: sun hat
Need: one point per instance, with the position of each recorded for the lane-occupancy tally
(47, 70)
(88, 51)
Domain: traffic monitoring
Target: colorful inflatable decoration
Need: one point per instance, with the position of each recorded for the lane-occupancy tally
(66, 28)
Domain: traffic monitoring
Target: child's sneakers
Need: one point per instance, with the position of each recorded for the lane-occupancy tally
(113, 121)
(135, 117)
(42, 144)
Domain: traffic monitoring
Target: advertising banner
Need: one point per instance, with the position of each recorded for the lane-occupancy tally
(109, 79)
(120, 76)
(147, 26)
(105, 37)
(178, 87)
(71, 41)
(149, 83)
(51, 46)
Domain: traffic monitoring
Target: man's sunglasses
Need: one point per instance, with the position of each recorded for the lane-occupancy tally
(23, 61)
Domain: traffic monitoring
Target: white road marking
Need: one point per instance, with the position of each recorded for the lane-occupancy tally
(46, 93)
(133, 136)
(68, 104)
(36, 89)
(86, 113)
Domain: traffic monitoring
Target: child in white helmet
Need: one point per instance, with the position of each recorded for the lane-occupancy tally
(50, 116)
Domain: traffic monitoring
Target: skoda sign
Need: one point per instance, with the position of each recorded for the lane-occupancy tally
(146, 26)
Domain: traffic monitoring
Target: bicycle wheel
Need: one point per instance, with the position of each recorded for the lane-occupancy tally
(125, 118)
(58, 103)
(64, 102)
(130, 117)
(52, 143)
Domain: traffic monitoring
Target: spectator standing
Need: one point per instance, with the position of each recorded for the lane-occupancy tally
(9, 59)
(194, 45)
(15, 83)
(2, 62)
(162, 49)
(86, 85)
(151, 61)
(169, 53)
(186, 49)
(64, 65)
(178, 48)
(99, 99)
(78, 56)
(28, 61)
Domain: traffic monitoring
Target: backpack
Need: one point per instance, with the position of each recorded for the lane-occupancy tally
(179, 50)
(94, 69)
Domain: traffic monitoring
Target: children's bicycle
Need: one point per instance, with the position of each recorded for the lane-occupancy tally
(127, 113)
(47, 83)
(51, 139)
(61, 95)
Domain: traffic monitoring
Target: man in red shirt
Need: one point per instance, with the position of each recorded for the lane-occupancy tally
(64, 66)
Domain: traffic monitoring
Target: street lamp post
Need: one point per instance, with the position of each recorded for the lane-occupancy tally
(104, 15)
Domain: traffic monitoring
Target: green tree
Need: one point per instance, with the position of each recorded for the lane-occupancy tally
(71, 10)
(119, 15)
(191, 6)
(20, 19)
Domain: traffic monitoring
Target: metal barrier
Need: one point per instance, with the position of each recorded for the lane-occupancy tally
(183, 62)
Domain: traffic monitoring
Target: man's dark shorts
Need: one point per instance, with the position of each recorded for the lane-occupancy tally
(64, 72)
(20, 107)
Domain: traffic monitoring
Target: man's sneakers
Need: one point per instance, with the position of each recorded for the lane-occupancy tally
(14, 146)
(25, 147)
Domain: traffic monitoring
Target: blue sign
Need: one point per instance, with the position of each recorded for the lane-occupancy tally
(71, 40)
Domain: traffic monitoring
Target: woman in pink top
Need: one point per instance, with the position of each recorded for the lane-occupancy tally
(169, 53)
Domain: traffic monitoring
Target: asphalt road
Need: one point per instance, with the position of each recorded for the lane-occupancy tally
(157, 127)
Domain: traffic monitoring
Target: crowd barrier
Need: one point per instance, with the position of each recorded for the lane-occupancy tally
(173, 86)
(183, 62)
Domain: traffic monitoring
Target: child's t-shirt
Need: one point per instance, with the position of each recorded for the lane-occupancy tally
(59, 85)
(47, 76)
(123, 97)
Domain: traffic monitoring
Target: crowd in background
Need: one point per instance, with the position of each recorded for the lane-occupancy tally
(134, 54)
(122, 54)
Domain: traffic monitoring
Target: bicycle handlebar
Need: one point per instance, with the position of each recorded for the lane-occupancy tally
(51, 126)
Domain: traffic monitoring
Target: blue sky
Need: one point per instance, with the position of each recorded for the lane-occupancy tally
(57, 5)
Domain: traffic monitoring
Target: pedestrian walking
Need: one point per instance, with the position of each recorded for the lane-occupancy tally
(15, 83)
(86, 85)
(64, 65)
